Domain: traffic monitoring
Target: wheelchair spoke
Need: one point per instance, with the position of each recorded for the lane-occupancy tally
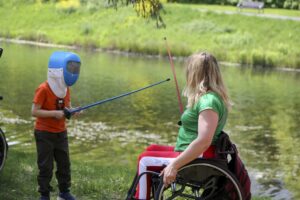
(202, 181)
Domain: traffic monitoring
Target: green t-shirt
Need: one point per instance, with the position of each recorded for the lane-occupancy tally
(189, 128)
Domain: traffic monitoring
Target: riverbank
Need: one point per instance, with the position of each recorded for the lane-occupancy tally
(42, 44)
(232, 38)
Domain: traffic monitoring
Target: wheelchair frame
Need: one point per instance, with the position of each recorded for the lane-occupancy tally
(3, 149)
(3, 143)
(207, 189)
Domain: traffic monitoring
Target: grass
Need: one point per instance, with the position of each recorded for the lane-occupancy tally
(232, 38)
(89, 181)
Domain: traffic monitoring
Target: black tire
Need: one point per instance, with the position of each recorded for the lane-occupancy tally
(3, 149)
(202, 179)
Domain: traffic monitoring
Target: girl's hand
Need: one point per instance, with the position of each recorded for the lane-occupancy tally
(169, 174)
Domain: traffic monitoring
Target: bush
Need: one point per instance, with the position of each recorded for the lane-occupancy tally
(258, 58)
(86, 29)
(287, 4)
(243, 57)
(233, 2)
(68, 6)
(295, 5)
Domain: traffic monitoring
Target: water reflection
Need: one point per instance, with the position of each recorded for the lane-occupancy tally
(264, 121)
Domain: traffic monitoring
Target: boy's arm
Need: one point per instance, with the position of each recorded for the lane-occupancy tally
(36, 111)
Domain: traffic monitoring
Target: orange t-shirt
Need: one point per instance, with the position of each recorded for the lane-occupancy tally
(49, 101)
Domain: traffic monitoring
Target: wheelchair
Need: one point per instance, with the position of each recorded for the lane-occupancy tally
(3, 143)
(3, 147)
(201, 179)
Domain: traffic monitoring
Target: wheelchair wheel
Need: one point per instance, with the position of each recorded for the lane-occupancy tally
(202, 180)
(3, 149)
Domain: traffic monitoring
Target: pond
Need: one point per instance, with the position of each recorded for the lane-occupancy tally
(264, 121)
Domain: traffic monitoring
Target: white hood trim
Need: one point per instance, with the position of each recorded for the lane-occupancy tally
(56, 82)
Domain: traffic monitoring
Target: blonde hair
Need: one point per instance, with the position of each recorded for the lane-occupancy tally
(203, 75)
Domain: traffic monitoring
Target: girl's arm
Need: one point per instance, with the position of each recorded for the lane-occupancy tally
(207, 124)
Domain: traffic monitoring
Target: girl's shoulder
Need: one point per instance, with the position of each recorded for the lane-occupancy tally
(210, 96)
(210, 100)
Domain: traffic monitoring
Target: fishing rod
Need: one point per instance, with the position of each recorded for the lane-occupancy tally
(69, 112)
(174, 75)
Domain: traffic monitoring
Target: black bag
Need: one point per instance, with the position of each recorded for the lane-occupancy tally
(225, 149)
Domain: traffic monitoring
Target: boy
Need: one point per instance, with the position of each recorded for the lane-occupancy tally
(50, 132)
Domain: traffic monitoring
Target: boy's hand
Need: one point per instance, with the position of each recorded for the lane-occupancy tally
(76, 114)
(59, 114)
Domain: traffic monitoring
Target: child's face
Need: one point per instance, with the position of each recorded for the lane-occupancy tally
(73, 67)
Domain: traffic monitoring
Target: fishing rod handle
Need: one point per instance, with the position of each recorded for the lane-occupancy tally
(67, 113)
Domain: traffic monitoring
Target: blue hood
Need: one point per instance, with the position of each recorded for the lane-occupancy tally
(66, 61)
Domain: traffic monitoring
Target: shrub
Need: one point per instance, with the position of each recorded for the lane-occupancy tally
(68, 6)
(243, 57)
(295, 5)
(287, 4)
(258, 58)
(86, 29)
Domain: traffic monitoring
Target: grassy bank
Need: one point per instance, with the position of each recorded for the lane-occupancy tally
(233, 38)
(90, 182)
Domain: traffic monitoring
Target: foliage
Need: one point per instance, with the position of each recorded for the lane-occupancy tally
(150, 8)
(68, 6)
(145, 8)
(232, 38)
(288, 4)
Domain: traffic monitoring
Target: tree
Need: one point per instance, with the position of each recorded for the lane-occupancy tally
(144, 8)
